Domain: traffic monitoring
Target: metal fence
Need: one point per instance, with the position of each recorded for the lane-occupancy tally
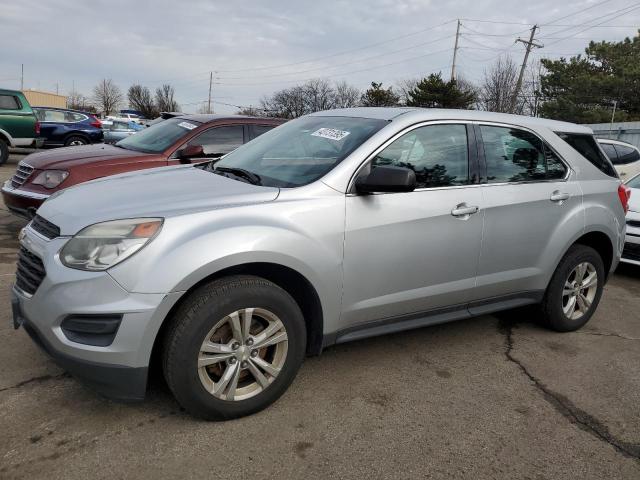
(624, 131)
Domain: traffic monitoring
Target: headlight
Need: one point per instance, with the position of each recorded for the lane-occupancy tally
(50, 178)
(103, 245)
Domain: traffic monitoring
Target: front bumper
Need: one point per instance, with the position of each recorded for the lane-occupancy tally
(118, 370)
(22, 202)
(631, 252)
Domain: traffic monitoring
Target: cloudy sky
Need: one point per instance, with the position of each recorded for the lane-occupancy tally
(257, 47)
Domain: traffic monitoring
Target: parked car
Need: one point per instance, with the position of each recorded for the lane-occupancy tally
(333, 227)
(126, 117)
(116, 130)
(624, 156)
(631, 252)
(185, 139)
(18, 125)
(61, 127)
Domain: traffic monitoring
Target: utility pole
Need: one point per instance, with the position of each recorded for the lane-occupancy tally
(455, 53)
(21, 76)
(210, 83)
(529, 45)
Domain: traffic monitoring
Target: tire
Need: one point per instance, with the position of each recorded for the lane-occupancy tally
(75, 140)
(4, 152)
(557, 313)
(197, 377)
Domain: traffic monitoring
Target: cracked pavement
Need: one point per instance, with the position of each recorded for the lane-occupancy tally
(492, 397)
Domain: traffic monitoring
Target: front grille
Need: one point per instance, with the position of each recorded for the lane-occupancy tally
(631, 251)
(30, 271)
(633, 223)
(44, 227)
(23, 172)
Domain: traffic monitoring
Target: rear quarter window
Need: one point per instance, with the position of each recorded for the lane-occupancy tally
(587, 146)
(9, 102)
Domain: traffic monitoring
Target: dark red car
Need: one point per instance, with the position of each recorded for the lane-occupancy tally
(183, 139)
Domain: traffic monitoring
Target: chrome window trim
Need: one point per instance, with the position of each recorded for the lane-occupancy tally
(351, 185)
(546, 145)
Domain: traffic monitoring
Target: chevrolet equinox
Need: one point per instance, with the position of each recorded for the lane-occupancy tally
(333, 227)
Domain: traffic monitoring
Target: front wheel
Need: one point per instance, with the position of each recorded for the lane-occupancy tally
(4, 152)
(575, 290)
(233, 347)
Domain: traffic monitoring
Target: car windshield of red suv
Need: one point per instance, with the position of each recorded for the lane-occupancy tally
(158, 138)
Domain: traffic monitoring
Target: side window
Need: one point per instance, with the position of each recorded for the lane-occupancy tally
(438, 154)
(610, 150)
(53, 116)
(9, 102)
(514, 155)
(586, 146)
(257, 130)
(626, 155)
(219, 140)
(39, 114)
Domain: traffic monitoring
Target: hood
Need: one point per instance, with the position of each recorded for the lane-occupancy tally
(73, 156)
(160, 192)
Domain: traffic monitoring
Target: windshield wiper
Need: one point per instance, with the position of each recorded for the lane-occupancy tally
(240, 172)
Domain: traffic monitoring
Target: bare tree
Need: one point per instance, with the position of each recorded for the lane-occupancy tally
(164, 99)
(498, 86)
(345, 95)
(107, 97)
(140, 99)
(403, 87)
(77, 101)
(318, 95)
(531, 89)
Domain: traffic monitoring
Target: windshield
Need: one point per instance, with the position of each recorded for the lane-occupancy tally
(301, 151)
(158, 138)
(634, 182)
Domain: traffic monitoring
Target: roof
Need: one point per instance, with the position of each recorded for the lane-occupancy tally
(206, 118)
(426, 114)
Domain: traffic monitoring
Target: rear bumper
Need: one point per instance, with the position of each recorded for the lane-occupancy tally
(22, 202)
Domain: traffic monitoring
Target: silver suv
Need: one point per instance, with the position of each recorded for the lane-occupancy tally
(333, 227)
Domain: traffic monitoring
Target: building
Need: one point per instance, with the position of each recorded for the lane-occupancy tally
(37, 98)
(624, 131)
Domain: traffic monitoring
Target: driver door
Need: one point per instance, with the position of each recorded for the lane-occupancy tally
(408, 253)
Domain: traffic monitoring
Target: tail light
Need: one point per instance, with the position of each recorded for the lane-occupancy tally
(37, 128)
(95, 122)
(624, 194)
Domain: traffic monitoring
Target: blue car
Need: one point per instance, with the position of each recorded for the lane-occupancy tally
(62, 127)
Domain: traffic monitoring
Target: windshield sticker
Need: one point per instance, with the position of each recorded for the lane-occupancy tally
(187, 125)
(330, 133)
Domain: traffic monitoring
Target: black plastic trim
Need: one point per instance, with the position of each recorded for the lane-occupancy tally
(433, 317)
(97, 330)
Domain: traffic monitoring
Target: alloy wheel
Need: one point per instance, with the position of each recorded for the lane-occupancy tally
(242, 354)
(579, 291)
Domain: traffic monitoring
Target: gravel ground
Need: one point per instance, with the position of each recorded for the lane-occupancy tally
(492, 397)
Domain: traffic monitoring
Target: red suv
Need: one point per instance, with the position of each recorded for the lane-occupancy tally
(183, 139)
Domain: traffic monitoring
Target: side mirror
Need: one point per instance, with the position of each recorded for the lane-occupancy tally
(191, 151)
(387, 179)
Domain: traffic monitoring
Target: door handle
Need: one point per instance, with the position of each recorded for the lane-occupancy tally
(464, 210)
(559, 196)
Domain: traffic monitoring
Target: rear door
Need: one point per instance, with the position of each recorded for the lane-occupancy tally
(527, 197)
(415, 252)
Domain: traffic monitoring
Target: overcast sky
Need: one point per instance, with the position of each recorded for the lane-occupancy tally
(257, 47)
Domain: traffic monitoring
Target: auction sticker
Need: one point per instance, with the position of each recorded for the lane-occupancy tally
(330, 133)
(187, 125)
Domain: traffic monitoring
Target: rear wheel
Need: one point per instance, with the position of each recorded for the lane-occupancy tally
(4, 152)
(233, 347)
(75, 140)
(575, 290)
